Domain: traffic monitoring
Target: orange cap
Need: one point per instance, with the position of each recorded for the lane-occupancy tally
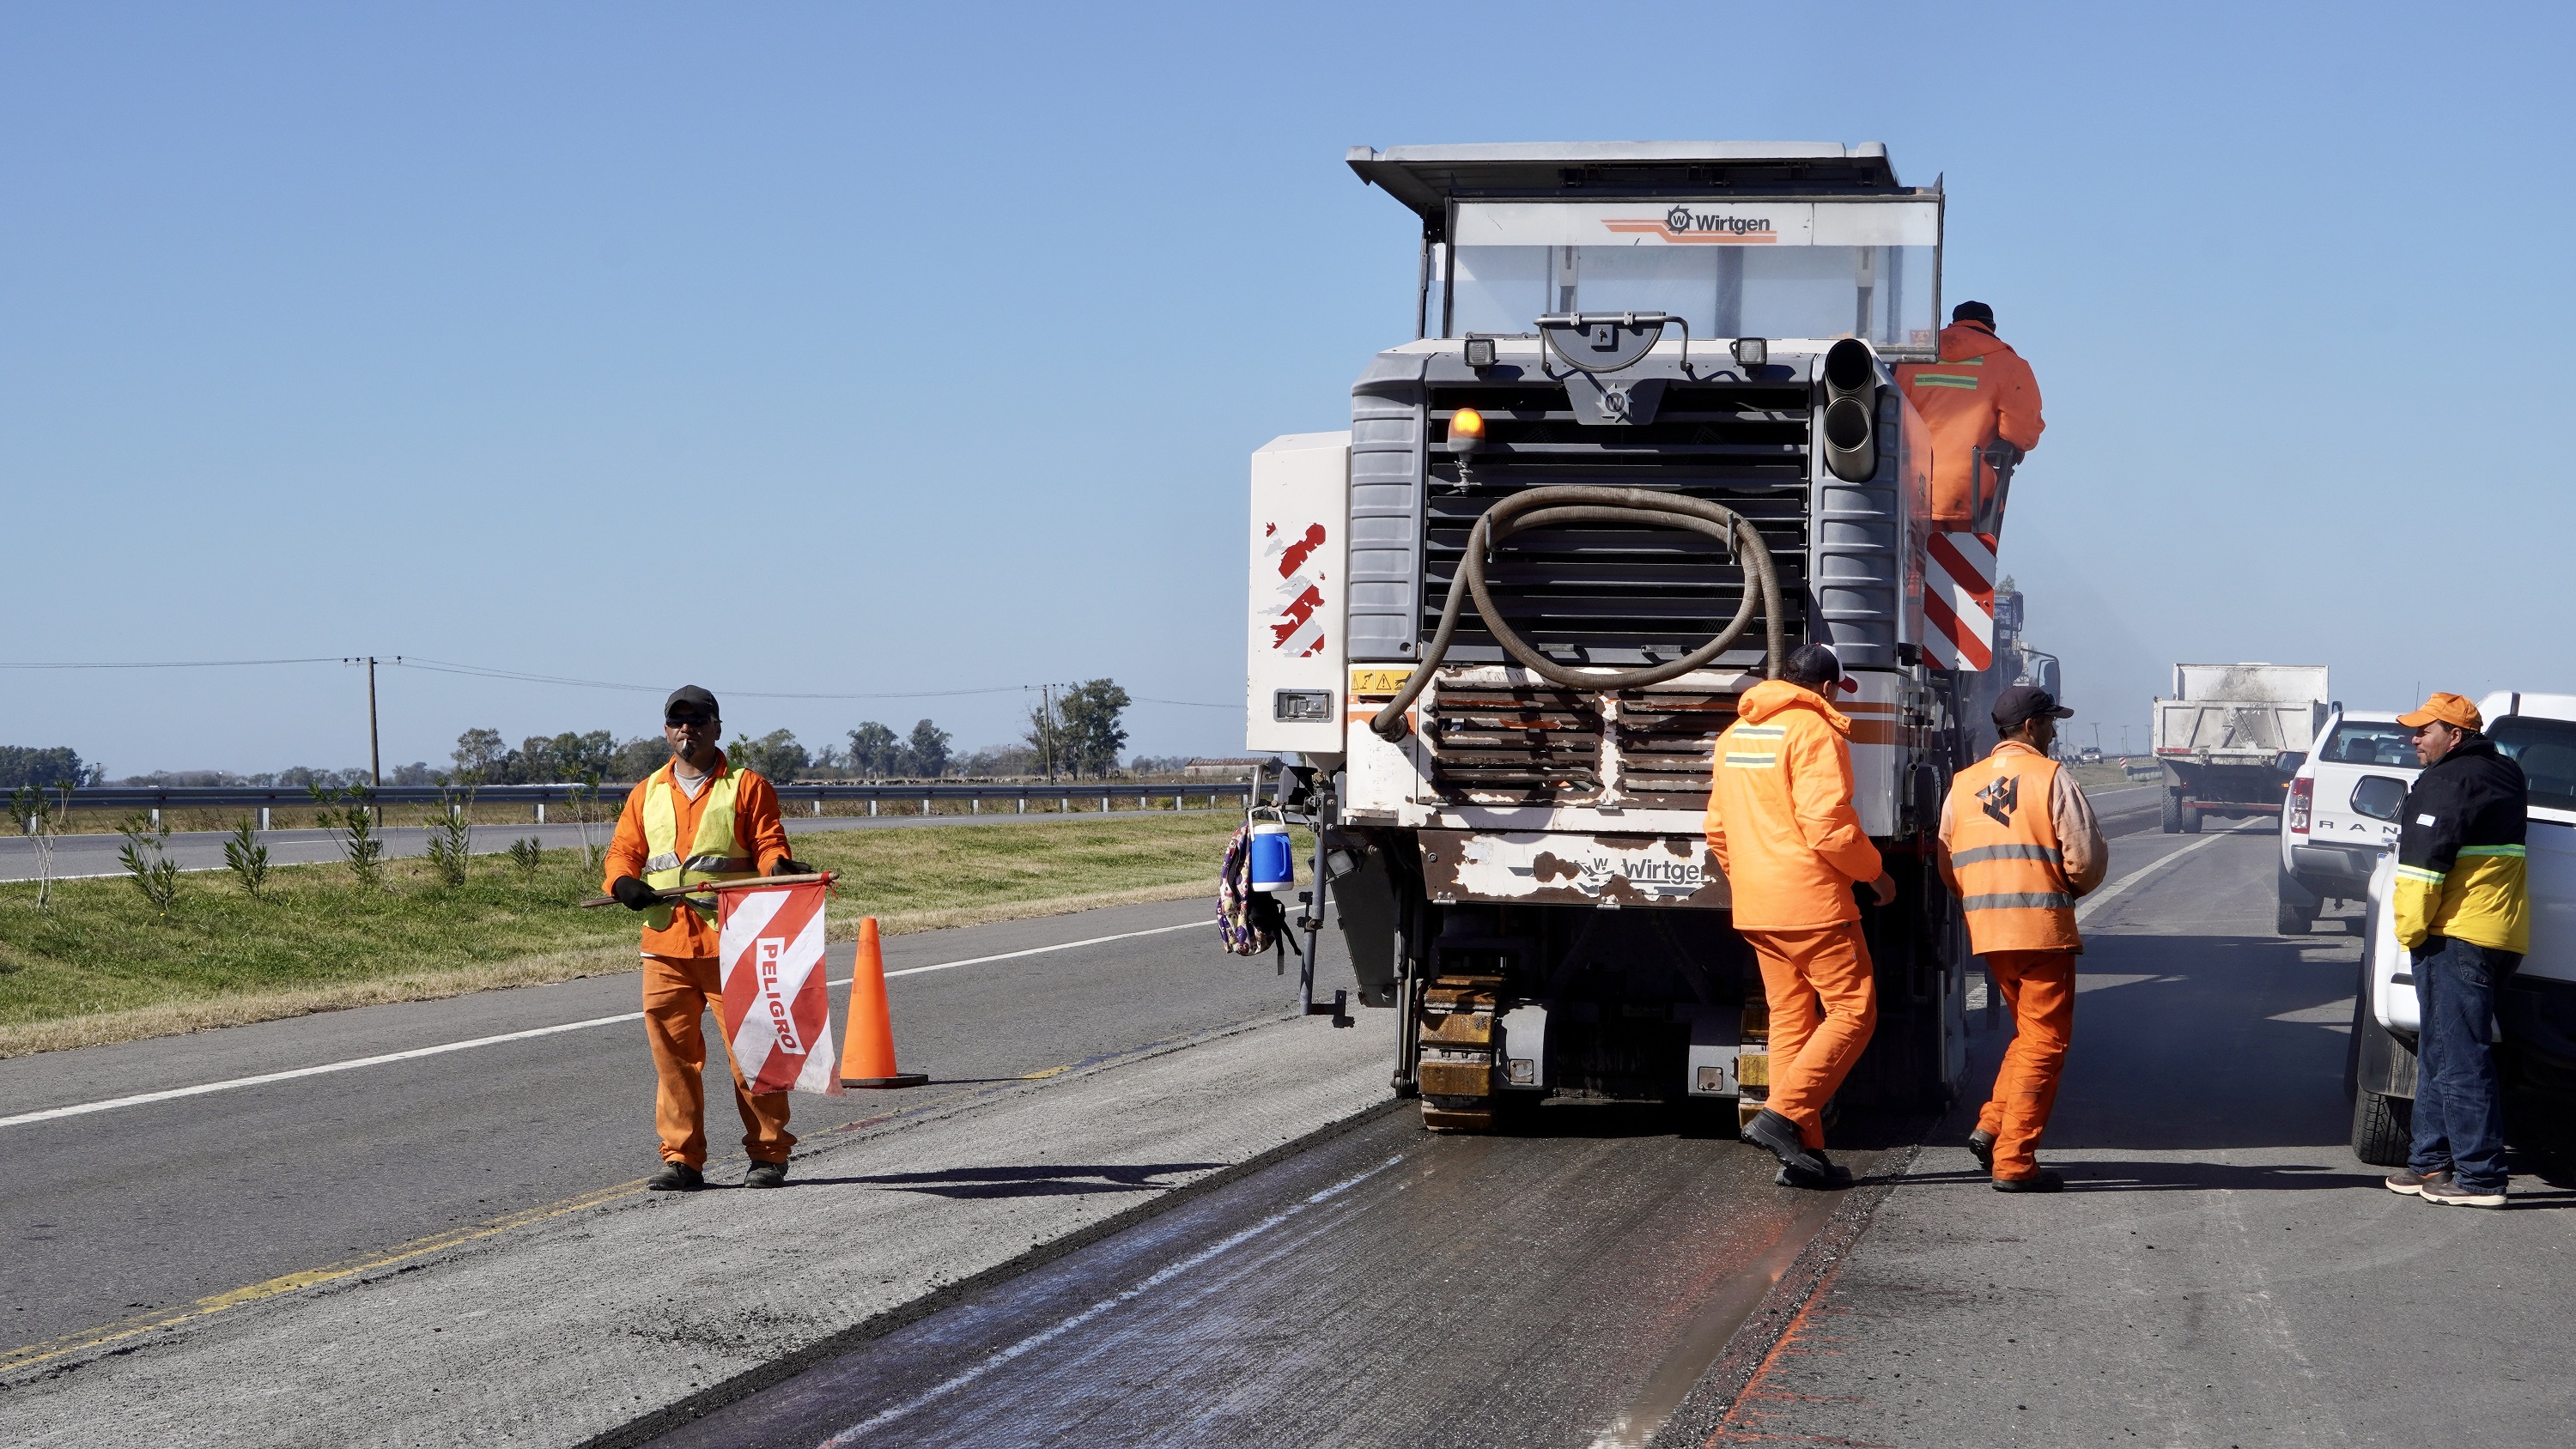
(2450, 709)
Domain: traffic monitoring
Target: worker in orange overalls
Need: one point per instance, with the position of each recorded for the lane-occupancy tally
(2018, 845)
(1781, 825)
(698, 818)
(1980, 405)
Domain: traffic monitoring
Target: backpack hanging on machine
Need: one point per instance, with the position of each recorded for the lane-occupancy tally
(1256, 863)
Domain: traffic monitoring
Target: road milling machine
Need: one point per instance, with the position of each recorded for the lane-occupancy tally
(1645, 441)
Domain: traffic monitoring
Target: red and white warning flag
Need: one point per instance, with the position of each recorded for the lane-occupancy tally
(777, 1006)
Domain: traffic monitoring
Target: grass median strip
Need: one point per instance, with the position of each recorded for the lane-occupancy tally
(99, 965)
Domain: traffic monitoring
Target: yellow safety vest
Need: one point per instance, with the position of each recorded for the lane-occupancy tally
(708, 857)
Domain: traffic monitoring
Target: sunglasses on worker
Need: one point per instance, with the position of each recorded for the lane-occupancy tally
(690, 723)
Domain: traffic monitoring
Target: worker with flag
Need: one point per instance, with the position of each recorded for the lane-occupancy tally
(698, 818)
(1782, 827)
(2018, 846)
(1980, 409)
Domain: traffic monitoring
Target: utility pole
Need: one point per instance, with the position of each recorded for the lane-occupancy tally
(375, 752)
(1046, 728)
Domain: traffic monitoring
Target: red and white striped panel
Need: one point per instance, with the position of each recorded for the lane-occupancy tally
(777, 1010)
(1959, 601)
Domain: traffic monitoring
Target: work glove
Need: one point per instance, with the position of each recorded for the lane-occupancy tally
(787, 866)
(2001, 455)
(633, 894)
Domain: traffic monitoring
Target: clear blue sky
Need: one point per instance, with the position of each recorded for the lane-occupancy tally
(805, 348)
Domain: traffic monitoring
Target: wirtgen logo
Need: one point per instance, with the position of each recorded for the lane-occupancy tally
(1681, 224)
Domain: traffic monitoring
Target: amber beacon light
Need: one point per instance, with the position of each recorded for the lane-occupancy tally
(1466, 431)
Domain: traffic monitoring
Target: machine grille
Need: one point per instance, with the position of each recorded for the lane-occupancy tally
(1514, 745)
(1535, 744)
(1603, 595)
(1666, 744)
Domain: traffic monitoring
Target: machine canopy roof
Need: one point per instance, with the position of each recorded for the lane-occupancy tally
(1427, 178)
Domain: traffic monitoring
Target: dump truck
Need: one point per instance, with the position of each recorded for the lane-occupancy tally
(2232, 737)
(1644, 441)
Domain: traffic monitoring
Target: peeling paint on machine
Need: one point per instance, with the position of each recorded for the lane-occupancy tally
(1565, 869)
(1300, 540)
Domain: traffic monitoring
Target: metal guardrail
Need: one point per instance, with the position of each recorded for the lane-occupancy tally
(263, 798)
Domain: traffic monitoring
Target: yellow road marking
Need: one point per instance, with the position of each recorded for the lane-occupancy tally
(36, 1353)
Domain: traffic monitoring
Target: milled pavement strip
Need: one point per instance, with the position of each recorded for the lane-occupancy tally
(415, 1053)
(585, 1323)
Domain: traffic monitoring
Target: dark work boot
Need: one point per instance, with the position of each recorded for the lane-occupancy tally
(1779, 1136)
(2044, 1180)
(675, 1177)
(1981, 1146)
(766, 1174)
(1832, 1175)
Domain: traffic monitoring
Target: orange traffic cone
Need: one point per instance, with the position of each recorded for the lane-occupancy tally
(867, 1051)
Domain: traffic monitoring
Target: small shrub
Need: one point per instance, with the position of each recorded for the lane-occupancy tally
(157, 877)
(36, 814)
(451, 833)
(246, 858)
(527, 855)
(350, 817)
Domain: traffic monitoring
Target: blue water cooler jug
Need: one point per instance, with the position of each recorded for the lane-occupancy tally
(1274, 868)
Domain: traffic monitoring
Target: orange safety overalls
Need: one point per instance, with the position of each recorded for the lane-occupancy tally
(2011, 874)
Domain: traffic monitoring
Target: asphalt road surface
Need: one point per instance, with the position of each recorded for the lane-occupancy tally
(96, 855)
(115, 1213)
(1568, 1285)
(1571, 1284)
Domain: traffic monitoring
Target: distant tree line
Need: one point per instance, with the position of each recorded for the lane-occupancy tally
(61, 765)
(1074, 731)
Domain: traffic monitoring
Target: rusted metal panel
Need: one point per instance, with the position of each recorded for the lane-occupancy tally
(1460, 1028)
(1540, 867)
(1457, 1079)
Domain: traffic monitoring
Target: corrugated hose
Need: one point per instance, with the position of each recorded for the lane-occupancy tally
(1545, 507)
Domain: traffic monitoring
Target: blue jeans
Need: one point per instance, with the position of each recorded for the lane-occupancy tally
(2459, 1107)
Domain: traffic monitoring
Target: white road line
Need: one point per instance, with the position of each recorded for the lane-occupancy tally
(2105, 896)
(348, 1066)
(145, 1098)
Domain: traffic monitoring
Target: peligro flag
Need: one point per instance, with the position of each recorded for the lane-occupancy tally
(777, 1007)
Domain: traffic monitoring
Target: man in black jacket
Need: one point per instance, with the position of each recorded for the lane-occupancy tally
(2462, 914)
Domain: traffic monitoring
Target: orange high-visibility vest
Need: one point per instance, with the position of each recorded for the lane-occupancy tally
(2004, 847)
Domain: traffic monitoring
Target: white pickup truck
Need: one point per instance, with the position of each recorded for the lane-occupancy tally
(2536, 1006)
(2328, 848)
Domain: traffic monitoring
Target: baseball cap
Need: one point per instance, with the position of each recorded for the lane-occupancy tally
(1818, 663)
(690, 702)
(2027, 702)
(1973, 312)
(2450, 709)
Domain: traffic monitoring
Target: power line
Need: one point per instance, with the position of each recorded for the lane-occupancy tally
(169, 664)
(481, 671)
(446, 666)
